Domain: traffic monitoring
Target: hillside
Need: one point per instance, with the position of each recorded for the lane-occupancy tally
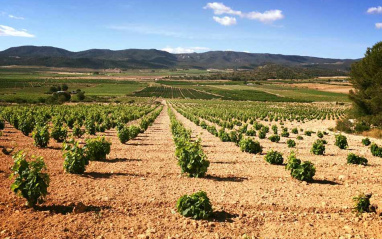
(140, 59)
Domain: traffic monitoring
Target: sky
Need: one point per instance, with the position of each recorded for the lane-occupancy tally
(321, 28)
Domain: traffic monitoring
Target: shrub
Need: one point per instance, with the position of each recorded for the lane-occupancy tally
(262, 134)
(251, 132)
(212, 130)
(362, 203)
(274, 129)
(196, 206)
(293, 162)
(26, 124)
(285, 134)
(304, 172)
(41, 136)
(77, 131)
(308, 133)
(235, 137)
(192, 159)
(30, 182)
(320, 134)
(366, 141)
(250, 146)
(90, 126)
(354, 159)
(294, 131)
(318, 148)
(300, 137)
(75, 160)
(59, 133)
(124, 134)
(341, 142)
(223, 135)
(291, 143)
(274, 138)
(274, 157)
(203, 125)
(97, 148)
(375, 150)
(133, 131)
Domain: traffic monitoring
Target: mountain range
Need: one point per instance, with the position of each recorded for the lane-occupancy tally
(156, 59)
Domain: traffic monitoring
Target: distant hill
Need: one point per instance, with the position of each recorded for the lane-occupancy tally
(143, 59)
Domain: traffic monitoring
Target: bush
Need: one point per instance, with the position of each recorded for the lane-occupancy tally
(362, 203)
(318, 148)
(192, 159)
(30, 182)
(97, 148)
(375, 150)
(196, 206)
(235, 137)
(274, 138)
(300, 137)
(26, 124)
(90, 126)
(223, 135)
(124, 134)
(59, 133)
(293, 162)
(274, 129)
(341, 142)
(75, 160)
(308, 133)
(251, 132)
(354, 159)
(262, 134)
(134, 131)
(41, 136)
(294, 131)
(274, 157)
(77, 131)
(285, 133)
(291, 143)
(304, 172)
(366, 141)
(320, 134)
(212, 130)
(203, 125)
(250, 146)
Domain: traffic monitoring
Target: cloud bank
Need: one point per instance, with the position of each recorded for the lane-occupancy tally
(178, 50)
(10, 31)
(221, 9)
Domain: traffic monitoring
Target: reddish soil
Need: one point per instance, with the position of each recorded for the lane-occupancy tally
(133, 194)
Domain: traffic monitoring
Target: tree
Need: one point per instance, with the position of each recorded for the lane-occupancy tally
(65, 87)
(366, 77)
(80, 95)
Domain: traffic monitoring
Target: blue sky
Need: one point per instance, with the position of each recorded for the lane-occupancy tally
(323, 28)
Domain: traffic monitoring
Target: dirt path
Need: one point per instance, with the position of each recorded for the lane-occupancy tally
(133, 194)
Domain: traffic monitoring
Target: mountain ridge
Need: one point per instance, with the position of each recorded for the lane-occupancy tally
(153, 58)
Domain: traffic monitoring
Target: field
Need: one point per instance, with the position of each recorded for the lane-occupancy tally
(152, 128)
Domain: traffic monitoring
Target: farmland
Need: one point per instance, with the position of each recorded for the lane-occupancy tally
(122, 163)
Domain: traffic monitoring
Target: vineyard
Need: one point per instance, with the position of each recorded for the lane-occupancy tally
(186, 168)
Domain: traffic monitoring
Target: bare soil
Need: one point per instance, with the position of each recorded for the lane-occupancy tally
(133, 194)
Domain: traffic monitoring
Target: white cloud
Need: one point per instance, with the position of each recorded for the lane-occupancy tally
(267, 16)
(220, 8)
(375, 10)
(10, 31)
(178, 50)
(378, 25)
(225, 21)
(14, 17)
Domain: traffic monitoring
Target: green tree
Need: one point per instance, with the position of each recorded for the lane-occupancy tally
(366, 77)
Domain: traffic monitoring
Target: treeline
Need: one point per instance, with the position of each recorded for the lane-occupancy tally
(271, 71)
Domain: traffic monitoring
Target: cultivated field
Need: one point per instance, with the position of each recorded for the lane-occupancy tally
(134, 190)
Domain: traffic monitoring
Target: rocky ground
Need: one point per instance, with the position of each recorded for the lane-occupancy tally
(133, 194)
